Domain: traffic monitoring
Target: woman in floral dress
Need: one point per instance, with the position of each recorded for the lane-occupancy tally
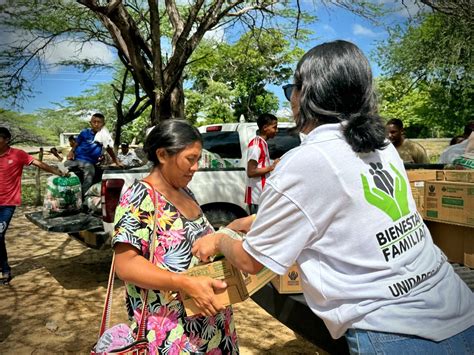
(174, 147)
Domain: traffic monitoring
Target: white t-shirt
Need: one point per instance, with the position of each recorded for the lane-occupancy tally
(258, 151)
(103, 137)
(453, 152)
(470, 143)
(130, 159)
(366, 258)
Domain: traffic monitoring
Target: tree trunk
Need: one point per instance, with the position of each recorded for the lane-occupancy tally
(118, 132)
(177, 101)
(161, 111)
(169, 107)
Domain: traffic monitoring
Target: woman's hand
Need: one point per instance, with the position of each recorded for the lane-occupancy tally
(206, 246)
(202, 290)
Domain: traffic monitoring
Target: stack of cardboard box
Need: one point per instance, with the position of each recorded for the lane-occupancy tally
(445, 199)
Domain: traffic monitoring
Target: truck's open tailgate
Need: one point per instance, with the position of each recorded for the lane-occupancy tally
(67, 224)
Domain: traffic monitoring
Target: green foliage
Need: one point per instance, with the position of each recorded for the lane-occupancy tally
(136, 130)
(28, 128)
(213, 105)
(230, 79)
(429, 77)
(99, 98)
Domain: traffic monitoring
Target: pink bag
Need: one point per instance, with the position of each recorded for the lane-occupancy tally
(119, 340)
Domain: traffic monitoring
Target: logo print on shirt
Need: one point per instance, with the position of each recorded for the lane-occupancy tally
(390, 193)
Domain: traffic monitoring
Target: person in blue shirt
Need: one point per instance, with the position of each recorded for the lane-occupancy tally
(87, 150)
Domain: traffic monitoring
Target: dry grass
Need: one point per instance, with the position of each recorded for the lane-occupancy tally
(433, 146)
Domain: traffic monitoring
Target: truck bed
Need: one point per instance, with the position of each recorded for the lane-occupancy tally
(86, 228)
(73, 223)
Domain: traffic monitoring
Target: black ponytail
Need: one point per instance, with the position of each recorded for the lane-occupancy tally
(365, 132)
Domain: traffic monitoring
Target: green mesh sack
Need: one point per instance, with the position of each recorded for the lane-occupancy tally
(63, 196)
(465, 161)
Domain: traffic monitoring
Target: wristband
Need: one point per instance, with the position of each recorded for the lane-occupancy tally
(231, 233)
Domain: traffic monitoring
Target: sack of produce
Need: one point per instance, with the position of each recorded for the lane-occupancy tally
(92, 198)
(465, 161)
(63, 196)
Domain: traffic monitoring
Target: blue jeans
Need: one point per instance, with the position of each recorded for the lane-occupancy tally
(369, 342)
(6, 214)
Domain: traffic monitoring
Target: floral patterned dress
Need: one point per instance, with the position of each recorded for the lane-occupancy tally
(169, 330)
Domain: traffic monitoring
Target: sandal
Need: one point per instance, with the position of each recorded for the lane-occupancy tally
(6, 278)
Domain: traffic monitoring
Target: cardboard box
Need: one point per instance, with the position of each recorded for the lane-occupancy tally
(457, 242)
(240, 285)
(449, 202)
(469, 249)
(418, 192)
(417, 179)
(424, 175)
(459, 175)
(290, 282)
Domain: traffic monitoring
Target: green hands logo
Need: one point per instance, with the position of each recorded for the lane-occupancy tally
(389, 195)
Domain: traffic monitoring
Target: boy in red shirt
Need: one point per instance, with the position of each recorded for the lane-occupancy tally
(12, 161)
(258, 160)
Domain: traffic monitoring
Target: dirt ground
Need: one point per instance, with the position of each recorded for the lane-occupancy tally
(54, 302)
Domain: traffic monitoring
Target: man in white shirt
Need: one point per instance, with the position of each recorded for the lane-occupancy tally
(128, 157)
(455, 151)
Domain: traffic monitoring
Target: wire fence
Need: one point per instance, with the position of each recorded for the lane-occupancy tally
(33, 180)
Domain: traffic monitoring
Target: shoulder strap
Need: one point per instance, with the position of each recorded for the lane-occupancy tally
(104, 325)
(151, 246)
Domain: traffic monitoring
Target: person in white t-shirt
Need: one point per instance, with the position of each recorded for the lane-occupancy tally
(128, 157)
(258, 160)
(340, 207)
(470, 144)
(449, 155)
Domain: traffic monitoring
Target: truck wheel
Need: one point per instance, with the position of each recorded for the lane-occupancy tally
(219, 218)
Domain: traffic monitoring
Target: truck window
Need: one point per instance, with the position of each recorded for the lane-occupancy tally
(286, 139)
(224, 143)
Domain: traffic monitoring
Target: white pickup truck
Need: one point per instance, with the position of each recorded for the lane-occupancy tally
(219, 191)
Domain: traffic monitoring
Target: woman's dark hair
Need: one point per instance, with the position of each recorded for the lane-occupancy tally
(335, 84)
(172, 135)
